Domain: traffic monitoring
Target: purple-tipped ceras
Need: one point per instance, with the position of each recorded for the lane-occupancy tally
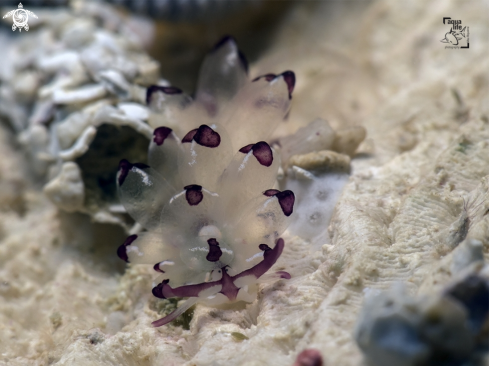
(213, 220)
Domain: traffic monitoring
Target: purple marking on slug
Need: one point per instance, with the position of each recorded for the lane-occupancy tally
(207, 137)
(283, 274)
(121, 251)
(246, 149)
(263, 153)
(164, 291)
(228, 287)
(160, 134)
(157, 268)
(264, 247)
(158, 290)
(267, 77)
(170, 90)
(189, 136)
(214, 251)
(124, 168)
(286, 199)
(193, 194)
(223, 41)
(270, 256)
(289, 78)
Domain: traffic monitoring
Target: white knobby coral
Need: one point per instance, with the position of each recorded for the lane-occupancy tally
(213, 222)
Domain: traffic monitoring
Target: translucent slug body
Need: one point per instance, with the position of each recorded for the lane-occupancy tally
(213, 222)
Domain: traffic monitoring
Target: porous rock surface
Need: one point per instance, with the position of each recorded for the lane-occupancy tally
(67, 301)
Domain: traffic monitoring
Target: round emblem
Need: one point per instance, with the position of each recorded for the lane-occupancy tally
(20, 18)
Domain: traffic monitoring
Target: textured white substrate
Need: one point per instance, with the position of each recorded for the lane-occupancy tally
(426, 152)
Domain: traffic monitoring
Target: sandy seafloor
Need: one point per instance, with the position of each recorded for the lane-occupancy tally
(65, 299)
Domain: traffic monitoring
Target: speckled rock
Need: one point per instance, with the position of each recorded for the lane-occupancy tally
(416, 197)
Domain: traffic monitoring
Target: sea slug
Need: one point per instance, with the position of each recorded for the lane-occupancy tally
(207, 198)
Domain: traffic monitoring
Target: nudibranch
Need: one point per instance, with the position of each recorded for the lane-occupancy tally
(212, 217)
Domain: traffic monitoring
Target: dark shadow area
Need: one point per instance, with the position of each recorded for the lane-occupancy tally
(94, 245)
(181, 46)
(100, 163)
(12, 189)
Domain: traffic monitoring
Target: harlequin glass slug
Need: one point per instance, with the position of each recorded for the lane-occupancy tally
(207, 201)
